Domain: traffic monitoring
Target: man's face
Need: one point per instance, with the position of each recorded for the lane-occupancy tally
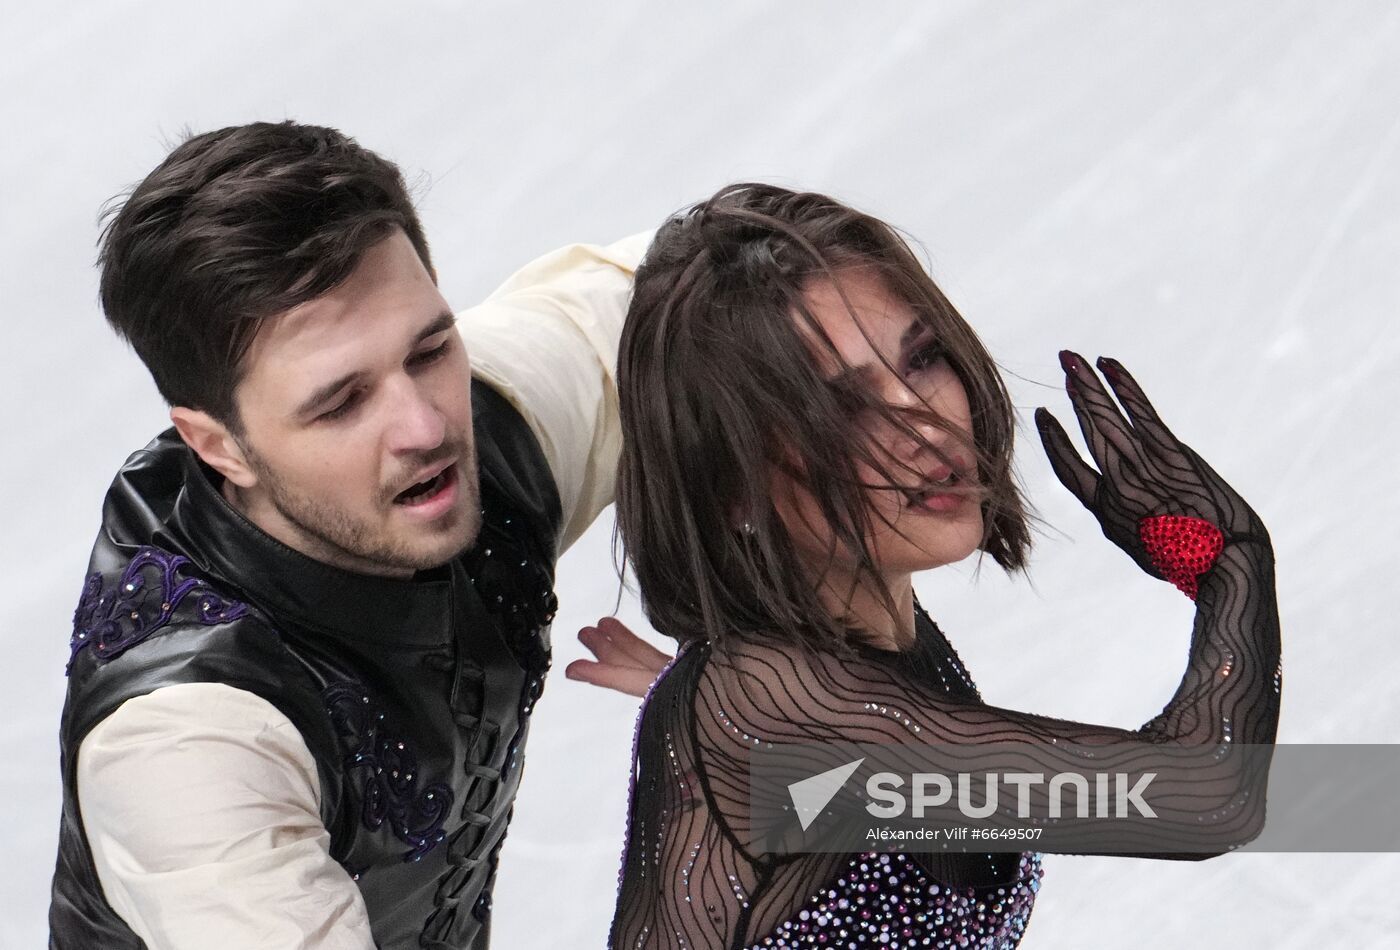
(356, 421)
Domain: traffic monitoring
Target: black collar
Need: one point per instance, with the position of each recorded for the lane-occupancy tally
(288, 585)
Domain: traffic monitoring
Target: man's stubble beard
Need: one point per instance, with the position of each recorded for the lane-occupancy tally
(349, 542)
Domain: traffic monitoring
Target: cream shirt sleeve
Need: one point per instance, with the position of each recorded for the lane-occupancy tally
(202, 808)
(547, 341)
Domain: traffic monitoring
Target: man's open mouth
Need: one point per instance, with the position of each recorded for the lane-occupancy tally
(427, 490)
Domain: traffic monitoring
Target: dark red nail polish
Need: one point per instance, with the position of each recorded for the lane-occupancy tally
(1069, 361)
(1109, 368)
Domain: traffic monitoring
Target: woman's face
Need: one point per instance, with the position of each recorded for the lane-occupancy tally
(913, 526)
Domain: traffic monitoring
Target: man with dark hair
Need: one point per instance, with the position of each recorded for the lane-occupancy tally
(316, 617)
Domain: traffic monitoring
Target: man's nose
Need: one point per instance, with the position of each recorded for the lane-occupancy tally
(415, 424)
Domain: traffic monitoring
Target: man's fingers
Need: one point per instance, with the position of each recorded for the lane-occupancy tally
(634, 646)
(606, 650)
(615, 645)
(1080, 479)
(623, 679)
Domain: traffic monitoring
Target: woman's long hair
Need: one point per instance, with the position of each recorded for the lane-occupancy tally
(719, 389)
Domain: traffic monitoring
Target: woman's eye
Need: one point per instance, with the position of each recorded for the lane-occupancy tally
(430, 356)
(925, 356)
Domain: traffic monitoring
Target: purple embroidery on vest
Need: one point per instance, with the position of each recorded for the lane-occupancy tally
(111, 622)
(391, 791)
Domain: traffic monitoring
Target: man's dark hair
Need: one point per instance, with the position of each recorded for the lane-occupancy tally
(233, 227)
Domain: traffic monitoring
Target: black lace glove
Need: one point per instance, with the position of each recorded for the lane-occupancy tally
(1149, 483)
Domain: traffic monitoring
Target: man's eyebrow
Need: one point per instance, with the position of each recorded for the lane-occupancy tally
(324, 393)
(444, 321)
(851, 375)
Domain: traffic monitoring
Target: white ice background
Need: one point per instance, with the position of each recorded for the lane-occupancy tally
(1208, 191)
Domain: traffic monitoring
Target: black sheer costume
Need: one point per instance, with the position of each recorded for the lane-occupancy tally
(688, 879)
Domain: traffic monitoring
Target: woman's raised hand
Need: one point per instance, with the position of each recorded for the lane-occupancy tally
(1145, 474)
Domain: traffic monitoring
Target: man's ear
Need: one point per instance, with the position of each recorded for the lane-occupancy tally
(211, 441)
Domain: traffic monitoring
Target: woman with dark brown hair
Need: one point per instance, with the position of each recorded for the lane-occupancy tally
(808, 422)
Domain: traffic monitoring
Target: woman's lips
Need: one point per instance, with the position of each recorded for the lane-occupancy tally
(939, 501)
(937, 496)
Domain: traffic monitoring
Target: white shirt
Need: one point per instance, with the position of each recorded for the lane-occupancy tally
(201, 802)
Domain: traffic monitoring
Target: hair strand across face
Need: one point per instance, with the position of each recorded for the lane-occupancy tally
(723, 379)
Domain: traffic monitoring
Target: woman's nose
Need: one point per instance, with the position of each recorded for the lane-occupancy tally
(913, 428)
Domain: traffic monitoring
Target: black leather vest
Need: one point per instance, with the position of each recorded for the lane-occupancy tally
(412, 696)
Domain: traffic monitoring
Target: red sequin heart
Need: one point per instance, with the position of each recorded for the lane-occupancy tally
(1182, 547)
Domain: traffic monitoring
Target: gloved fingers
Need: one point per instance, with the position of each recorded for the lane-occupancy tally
(1190, 478)
(1157, 440)
(1069, 468)
(1109, 436)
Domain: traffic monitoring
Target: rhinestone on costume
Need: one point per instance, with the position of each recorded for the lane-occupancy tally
(389, 795)
(132, 612)
(888, 900)
(1181, 547)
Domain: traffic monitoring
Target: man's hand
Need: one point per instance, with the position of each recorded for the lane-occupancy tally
(626, 662)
